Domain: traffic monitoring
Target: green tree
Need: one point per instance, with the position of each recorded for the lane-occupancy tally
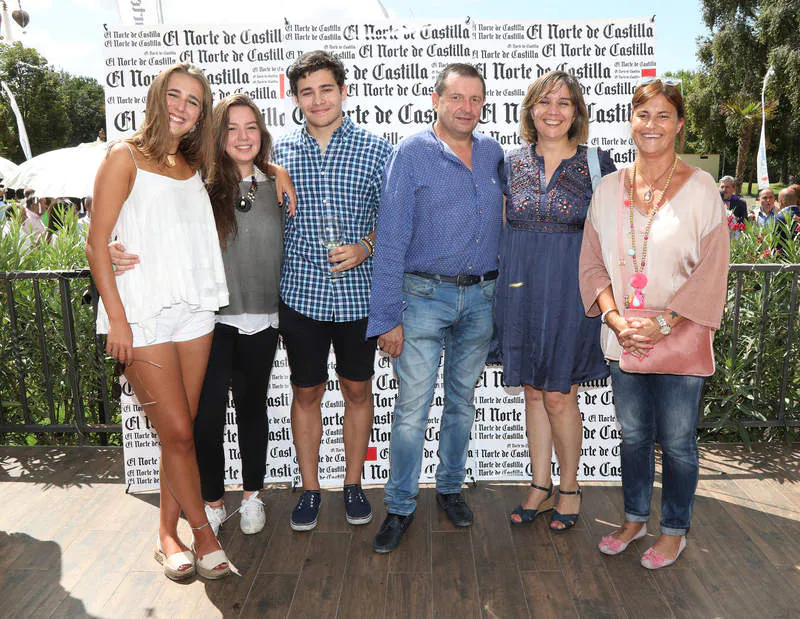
(699, 134)
(745, 38)
(36, 88)
(742, 117)
(84, 102)
(778, 25)
(58, 109)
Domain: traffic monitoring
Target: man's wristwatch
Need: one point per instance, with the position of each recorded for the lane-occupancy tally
(663, 325)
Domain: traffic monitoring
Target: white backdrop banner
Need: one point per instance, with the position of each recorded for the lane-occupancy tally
(391, 68)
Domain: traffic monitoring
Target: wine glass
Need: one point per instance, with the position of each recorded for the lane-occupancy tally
(330, 235)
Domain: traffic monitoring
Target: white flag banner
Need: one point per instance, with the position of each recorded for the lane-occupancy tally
(23, 135)
(139, 12)
(763, 172)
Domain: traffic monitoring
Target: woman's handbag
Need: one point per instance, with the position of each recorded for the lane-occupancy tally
(686, 351)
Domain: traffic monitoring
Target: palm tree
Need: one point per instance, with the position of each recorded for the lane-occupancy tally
(742, 115)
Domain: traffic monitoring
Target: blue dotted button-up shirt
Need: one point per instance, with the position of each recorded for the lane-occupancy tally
(436, 216)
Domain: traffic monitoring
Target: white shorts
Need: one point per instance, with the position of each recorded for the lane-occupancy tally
(173, 324)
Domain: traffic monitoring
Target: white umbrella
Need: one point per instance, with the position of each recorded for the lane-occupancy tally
(62, 172)
(7, 168)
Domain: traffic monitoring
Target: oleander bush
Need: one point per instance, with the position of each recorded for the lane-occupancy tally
(747, 385)
(61, 249)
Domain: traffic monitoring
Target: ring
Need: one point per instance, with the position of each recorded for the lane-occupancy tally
(114, 267)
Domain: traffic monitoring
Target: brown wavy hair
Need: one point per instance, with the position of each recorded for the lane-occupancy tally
(538, 90)
(223, 181)
(152, 137)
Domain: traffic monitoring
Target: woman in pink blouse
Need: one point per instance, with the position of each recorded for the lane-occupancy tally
(656, 237)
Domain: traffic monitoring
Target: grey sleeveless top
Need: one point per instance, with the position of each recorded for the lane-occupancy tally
(253, 257)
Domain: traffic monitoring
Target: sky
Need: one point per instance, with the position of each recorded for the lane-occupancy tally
(69, 33)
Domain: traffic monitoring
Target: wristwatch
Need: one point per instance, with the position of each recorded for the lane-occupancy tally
(663, 325)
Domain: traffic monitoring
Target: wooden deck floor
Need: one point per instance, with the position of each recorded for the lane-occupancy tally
(73, 544)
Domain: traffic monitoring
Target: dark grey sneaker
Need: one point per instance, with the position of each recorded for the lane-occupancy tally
(456, 508)
(304, 516)
(391, 532)
(356, 505)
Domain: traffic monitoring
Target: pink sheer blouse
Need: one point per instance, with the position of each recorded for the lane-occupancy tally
(688, 253)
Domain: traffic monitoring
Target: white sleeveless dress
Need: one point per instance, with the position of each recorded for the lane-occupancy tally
(170, 225)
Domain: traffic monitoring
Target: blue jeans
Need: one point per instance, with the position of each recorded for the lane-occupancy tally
(663, 408)
(460, 318)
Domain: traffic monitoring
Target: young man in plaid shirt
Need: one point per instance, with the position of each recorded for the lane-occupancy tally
(337, 169)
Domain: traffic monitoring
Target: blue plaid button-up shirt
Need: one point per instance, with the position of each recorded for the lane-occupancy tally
(344, 181)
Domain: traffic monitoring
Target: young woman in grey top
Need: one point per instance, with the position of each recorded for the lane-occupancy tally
(250, 224)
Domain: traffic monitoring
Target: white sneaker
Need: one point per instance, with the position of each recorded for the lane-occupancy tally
(252, 515)
(216, 516)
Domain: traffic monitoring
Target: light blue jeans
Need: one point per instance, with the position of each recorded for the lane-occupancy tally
(460, 318)
(662, 408)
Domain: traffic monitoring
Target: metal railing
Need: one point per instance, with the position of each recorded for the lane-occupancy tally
(55, 377)
(53, 373)
(759, 337)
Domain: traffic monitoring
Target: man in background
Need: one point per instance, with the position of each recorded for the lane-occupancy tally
(734, 204)
(766, 212)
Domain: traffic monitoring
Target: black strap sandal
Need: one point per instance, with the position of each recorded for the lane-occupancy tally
(526, 516)
(568, 520)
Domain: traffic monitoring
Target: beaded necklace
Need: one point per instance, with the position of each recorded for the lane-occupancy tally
(639, 279)
(245, 202)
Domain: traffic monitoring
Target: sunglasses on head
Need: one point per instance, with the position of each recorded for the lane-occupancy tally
(675, 82)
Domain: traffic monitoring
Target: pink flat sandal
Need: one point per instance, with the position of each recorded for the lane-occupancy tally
(610, 545)
(654, 560)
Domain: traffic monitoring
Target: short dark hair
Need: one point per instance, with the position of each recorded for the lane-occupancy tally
(461, 69)
(310, 62)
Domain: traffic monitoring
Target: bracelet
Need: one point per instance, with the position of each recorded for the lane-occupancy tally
(603, 315)
(369, 245)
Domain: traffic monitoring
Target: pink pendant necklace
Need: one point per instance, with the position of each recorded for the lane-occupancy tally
(638, 280)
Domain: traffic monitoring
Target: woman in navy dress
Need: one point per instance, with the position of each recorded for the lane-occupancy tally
(546, 342)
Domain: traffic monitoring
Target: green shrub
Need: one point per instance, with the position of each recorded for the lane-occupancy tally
(746, 389)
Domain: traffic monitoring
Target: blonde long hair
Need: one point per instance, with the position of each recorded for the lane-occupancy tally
(152, 137)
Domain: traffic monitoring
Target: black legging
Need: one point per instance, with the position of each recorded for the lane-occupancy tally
(243, 362)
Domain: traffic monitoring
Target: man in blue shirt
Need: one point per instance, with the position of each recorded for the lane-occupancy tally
(434, 284)
(337, 169)
(765, 215)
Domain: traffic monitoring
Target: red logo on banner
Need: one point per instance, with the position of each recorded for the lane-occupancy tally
(283, 86)
(372, 453)
(645, 73)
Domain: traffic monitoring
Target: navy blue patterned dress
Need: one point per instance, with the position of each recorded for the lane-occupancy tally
(542, 335)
